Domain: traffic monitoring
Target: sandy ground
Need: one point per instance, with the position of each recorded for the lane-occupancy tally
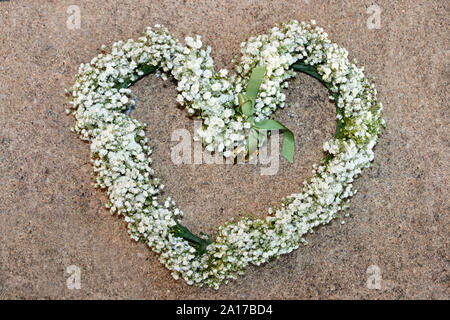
(51, 217)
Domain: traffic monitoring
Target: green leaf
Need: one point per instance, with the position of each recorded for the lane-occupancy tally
(254, 83)
(246, 104)
(252, 141)
(288, 145)
(270, 124)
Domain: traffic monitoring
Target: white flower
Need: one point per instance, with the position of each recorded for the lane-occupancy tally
(223, 73)
(227, 113)
(207, 74)
(120, 154)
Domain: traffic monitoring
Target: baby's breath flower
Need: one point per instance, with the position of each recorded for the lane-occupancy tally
(120, 152)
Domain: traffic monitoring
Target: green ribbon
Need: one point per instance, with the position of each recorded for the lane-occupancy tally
(247, 104)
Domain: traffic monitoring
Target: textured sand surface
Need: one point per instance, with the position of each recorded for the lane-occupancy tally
(51, 217)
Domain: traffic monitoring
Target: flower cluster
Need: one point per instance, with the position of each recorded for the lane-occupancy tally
(120, 154)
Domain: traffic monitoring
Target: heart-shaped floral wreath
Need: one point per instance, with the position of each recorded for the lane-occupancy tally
(120, 154)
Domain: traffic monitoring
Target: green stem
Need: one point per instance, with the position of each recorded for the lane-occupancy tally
(198, 243)
(146, 69)
(309, 70)
(312, 71)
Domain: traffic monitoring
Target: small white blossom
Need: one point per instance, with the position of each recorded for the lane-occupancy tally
(120, 152)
